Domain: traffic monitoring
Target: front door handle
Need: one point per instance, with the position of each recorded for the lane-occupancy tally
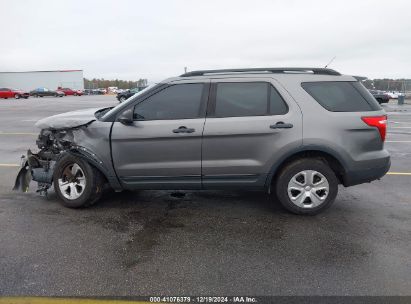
(184, 129)
(281, 125)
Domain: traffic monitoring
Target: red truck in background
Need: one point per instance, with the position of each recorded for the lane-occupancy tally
(69, 91)
(13, 93)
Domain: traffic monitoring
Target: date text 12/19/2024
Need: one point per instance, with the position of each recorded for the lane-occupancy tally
(203, 299)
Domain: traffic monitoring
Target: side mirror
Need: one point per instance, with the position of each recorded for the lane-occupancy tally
(126, 118)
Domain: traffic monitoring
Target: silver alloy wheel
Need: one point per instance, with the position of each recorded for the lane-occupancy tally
(308, 189)
(72, 182)
(17, 96)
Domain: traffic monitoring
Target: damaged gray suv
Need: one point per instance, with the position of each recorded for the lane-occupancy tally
(296, 133)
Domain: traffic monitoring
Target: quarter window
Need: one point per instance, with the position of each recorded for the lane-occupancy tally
(181, 101)
(341, 96)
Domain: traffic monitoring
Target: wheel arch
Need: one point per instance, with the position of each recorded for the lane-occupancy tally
(330, 156)
(98, 164)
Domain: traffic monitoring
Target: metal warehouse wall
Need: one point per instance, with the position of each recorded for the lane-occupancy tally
(49, 79)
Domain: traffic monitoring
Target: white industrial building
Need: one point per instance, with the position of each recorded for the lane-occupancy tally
(48, 79)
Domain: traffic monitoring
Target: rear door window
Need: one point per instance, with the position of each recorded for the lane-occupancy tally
(277, 104)
(236, 99)
(342, 96)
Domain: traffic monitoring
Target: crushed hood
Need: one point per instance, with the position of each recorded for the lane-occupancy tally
(68, 120)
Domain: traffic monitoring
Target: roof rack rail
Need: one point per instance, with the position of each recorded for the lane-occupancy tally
(319, 71)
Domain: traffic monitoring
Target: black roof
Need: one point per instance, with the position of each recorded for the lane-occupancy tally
(319, 71)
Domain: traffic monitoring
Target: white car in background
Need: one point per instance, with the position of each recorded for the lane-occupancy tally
(112, 89)
(394, 94)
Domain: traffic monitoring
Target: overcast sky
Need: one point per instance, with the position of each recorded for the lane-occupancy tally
(157, 39)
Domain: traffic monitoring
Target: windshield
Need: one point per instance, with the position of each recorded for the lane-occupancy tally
(125, 104)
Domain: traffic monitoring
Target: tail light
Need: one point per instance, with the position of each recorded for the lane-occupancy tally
(379, 122)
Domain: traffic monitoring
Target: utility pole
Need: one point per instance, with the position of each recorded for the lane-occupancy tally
(185, 70)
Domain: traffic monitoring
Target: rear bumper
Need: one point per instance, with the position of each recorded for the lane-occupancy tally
(360, 176)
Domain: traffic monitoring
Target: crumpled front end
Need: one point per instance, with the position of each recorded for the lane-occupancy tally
(79, 133)
(39, 166)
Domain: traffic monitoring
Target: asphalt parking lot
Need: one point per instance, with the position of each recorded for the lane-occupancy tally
(200, 243)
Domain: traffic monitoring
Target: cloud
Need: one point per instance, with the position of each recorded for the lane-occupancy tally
(157, 39)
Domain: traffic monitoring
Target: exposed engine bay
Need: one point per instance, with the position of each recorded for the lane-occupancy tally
(39, 166)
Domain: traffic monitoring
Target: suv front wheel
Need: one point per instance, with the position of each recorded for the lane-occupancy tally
(307, 186)
(76, 182)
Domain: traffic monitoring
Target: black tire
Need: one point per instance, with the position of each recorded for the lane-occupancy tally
(294, 168)
(94, 182)
(35, 95)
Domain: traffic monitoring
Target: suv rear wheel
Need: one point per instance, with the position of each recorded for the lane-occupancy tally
(76, 182)
(307, 186)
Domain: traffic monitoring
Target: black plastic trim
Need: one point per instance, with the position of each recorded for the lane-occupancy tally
(88, 156)
(308, 148)
(352, 178)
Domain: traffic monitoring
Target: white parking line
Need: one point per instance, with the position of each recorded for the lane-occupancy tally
(398, 141)
(9, 165)
(399, 122)
(17, 133)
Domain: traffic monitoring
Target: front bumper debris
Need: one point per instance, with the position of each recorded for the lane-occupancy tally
(34, 168)
(23, 176)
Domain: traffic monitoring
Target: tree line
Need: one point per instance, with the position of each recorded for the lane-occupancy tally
(387, 84)
(121, 84)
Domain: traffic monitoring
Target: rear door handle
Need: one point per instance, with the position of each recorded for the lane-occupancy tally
(281, 125)
(184, 129)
